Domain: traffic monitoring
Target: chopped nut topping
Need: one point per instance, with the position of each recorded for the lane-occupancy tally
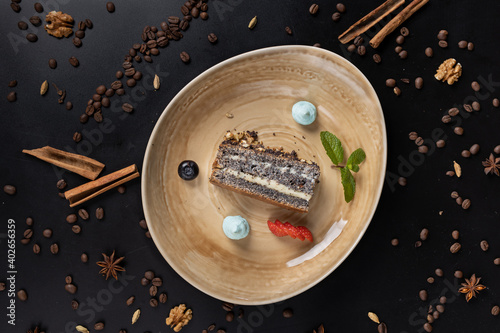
(60, 24)
(449, 71)
(179, 317)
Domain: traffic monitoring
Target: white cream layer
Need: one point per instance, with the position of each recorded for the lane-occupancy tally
(270, 184)
(330, 236)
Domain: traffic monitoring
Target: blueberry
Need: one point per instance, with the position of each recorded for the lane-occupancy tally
(188, 170)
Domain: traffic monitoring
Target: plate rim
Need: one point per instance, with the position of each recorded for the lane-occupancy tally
(154, 133)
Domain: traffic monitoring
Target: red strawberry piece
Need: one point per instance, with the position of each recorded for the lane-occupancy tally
(292, 231)
(276, 230)
(305, 233)
(281, 227)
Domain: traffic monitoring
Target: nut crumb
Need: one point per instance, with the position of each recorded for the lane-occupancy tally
(179, 317)
(449, 71)
(229, 115)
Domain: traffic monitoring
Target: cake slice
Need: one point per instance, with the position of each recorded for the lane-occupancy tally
(245, 166)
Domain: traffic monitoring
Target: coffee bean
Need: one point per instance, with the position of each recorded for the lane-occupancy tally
(229, 316)
(99, 213)
(69, 105)
(458, 274)
(443, 44)
(84, 215)
(402, 181)
(455, 234)
(455, 247)
(12, 97)
(221, 331)
(29, 221)
(71, 218)
(423, 295)
(336, 17)
(76, 229)
(25, 241)
(403, 54)
(361, 50)
(120, 92)
(440, 308)
(419, 83)
(429, 52)
(404, 32)
(77, 42)
(130, 72)
(22, 295)
(398, 49)
(82, 25)
(163, 298)
(127, 107)
(130, 300)
(117, 84)
(288, 313)
(288, 30)
(351, 48)
(470, 46)
(47, 233)
(204, 16)
(358, 41)
(475, 86)
(147, 234)
(435, 314)
(36, 248)
(442, 35)
(458, 130)
(419, 141)
(413, 136)
(28, 233)
(84, 257)
(154, 51)
(101, 89)
(22, 25)
(450, 173)
(442, 300)
(74, 62)
(424, 234)
(15, 7)
(70, 288)
(203, 6)
(80, 34)
(54, 248)
(496, 102)
(173, 20)
(313, 10)
(131, 83)
(459, 201)
(137, 76)
(106, 102)
(68, 279)
(35, 20)
(430, 280)
(185, 57)
(474, 149)
(496, 150)
(74, 305)
(476, 106)
(465, 153)
(439, 272)
(394, 242)
(382, 328)
(400, 39)
(340, 7)
(12, 83)
(423, 149)
(391, 83)
(377, 59)
(9, 189)
(153, 290)
(150, 275)
(496, 261)
(157, 281)
(38, 7)
(145, 282)
(484, 245)
(143, 224)
(184, 25)
(153, 302)
(453, 112)
(440, 143)
(495, 310)
(110, 7)
(466, 204)
(163, 41)
(462, 44)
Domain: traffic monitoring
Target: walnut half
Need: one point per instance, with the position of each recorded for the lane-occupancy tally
(179, 317)
(60, 24)
(449, 71)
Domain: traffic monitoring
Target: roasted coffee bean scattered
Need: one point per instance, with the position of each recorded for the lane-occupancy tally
(497, 261)
(446, 119)
(382, 328)
(153, 302)
(484, 245)
(476, 106)
(475, 86)
(22, 295)
(439, 272)
(288, 30)
(153, 290)
(74, 61)
(423, 149)
(361, 50)
(465, 153)
(466, 204)
(404, 32)
(495, 311)
(462, 44)
(162, 298)
(424, 234)
(403, 54)
(351, 48)
(313, 10)
(99, 213)
(47, 233)
(391, 83)
(76, 229)
(402, 181)
(77, 41)
(212, 38)
(12, 97)
(429, 52)
(453, 112)
(440, 143)
(71, 218)
(397, 91)
(413, 136)
(54, 248)
(400, 39)
(61, 184)
(130, 300)
(77, 137)
(419, 141)
(455, 234)
(455, 247)
(38, 7)
(84, 257)
(185, 57)
(394, 242)
(459, 201)
(458, 130)
(398, 49)
(377, 59)
(35, 20)
(458, 274)
(12, 83)
(419, 83)
(430, 280)
(474, 149)
(336, 17)
(110, 7)
(22, 25)
(423, 295)
(36, 248)
(470, 46)
(75, 304)
(157, 281)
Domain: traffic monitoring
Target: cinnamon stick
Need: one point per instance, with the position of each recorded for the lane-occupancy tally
(370, 20)
(92, 189)
(82, 165)
(396, 21)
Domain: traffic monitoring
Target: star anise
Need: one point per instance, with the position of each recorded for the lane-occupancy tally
(471, 287)
(110, 266)
(492, 165)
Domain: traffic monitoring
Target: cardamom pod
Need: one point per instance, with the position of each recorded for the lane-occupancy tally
(44, 88)
(156, 82)
(80, 328)
(458, 169)
(136, 315)
(252, 23)
(373, 317)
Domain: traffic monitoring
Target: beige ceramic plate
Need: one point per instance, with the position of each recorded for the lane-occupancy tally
(259, 89)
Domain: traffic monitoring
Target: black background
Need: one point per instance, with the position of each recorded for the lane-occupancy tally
(376, 277)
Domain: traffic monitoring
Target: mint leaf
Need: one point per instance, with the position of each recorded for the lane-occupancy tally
(349, 184)
(333, 147)
(356, 158)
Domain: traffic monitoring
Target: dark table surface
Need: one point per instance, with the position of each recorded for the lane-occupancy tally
(375, 277)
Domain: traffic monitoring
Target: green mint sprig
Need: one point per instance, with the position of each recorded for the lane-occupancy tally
(334, 150)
